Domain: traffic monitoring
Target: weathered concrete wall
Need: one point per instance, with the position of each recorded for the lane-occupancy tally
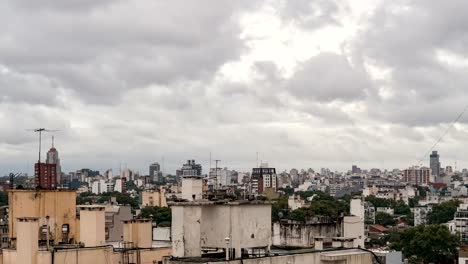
(247, 225)
(86, 255)
(9, 256)
(295, 234)
(353, 227)
(59, 205)
(192, 187)
(138, 231)
(334, 257)
(207, 225)
(95, 255)
(186, 224)
(27, 246)
(92, 225)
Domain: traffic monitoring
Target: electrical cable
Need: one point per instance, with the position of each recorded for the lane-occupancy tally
(443, 135)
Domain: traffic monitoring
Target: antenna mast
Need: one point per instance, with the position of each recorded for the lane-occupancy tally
(40, 130)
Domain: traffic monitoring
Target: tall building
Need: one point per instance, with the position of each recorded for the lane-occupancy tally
(434, 163)
(45, 175)
(416, 175)
(53, 158)
(263, 178)
(190, 169)
(355, 169)
(155, 172)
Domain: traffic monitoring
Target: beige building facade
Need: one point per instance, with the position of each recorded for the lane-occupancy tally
(55, 210)
(154, 198)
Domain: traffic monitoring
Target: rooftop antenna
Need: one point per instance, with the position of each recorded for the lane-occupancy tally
(12, 178)
(257, 159)
(39, 131)
(216, 177)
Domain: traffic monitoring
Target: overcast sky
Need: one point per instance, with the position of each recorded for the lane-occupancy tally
(305, 83)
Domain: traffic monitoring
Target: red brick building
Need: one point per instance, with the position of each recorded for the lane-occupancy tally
(46, 175)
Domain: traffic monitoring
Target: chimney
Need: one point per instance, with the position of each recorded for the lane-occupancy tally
(92, 225)
(139, 232)
(318, 245)
(27, 230)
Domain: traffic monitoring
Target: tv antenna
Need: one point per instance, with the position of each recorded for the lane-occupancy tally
(39, 131)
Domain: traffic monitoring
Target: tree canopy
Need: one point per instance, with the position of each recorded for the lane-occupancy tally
(426, 244)
(382, 218)
(443, 212)
(161, 215)
(122, 198)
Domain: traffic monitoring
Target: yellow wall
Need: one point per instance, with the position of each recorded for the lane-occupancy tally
(153, 198)
(60, 205)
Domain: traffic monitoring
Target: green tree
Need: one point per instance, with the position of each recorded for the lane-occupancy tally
(122, 198)
(382, 218)
(331, 208)
(380, 202)
(279, 207)
(161, 215)
(298, 215)
(400, 208)
(422, 190)
(3, 198)
(444, 212)
(426, 244)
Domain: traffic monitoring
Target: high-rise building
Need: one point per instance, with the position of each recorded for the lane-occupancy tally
(434, 163)
(355, 169)
(155, 172)
(53, 158)
(190, 169)
(45, 175)
(416, 175)
(263, 178)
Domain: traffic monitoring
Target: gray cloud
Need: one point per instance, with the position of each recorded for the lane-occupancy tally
(405, 37)
(122, 45)
(328, 77)
(131, 81)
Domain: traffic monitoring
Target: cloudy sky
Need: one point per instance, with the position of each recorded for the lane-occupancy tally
(305, 83)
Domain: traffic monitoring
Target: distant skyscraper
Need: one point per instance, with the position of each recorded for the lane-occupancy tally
(190, 169)
(434, 163)
(355, 169)
(53, 158)
(155, 172)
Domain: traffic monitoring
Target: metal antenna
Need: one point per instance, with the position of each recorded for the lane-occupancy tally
(40, 130)
(216, 169)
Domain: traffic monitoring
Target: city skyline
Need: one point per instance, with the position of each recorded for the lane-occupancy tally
(305, 84)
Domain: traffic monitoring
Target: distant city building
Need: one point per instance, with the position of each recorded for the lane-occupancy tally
(45, 175)
(155, 172)
(434, 163)
(355, 169)
(263, 178)
(416, 175)
(53, 158)
(154, 198)
(461, 222)
(219, 177)
(190, 169)
(114, 217)
(120, 185)
(449, 170)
